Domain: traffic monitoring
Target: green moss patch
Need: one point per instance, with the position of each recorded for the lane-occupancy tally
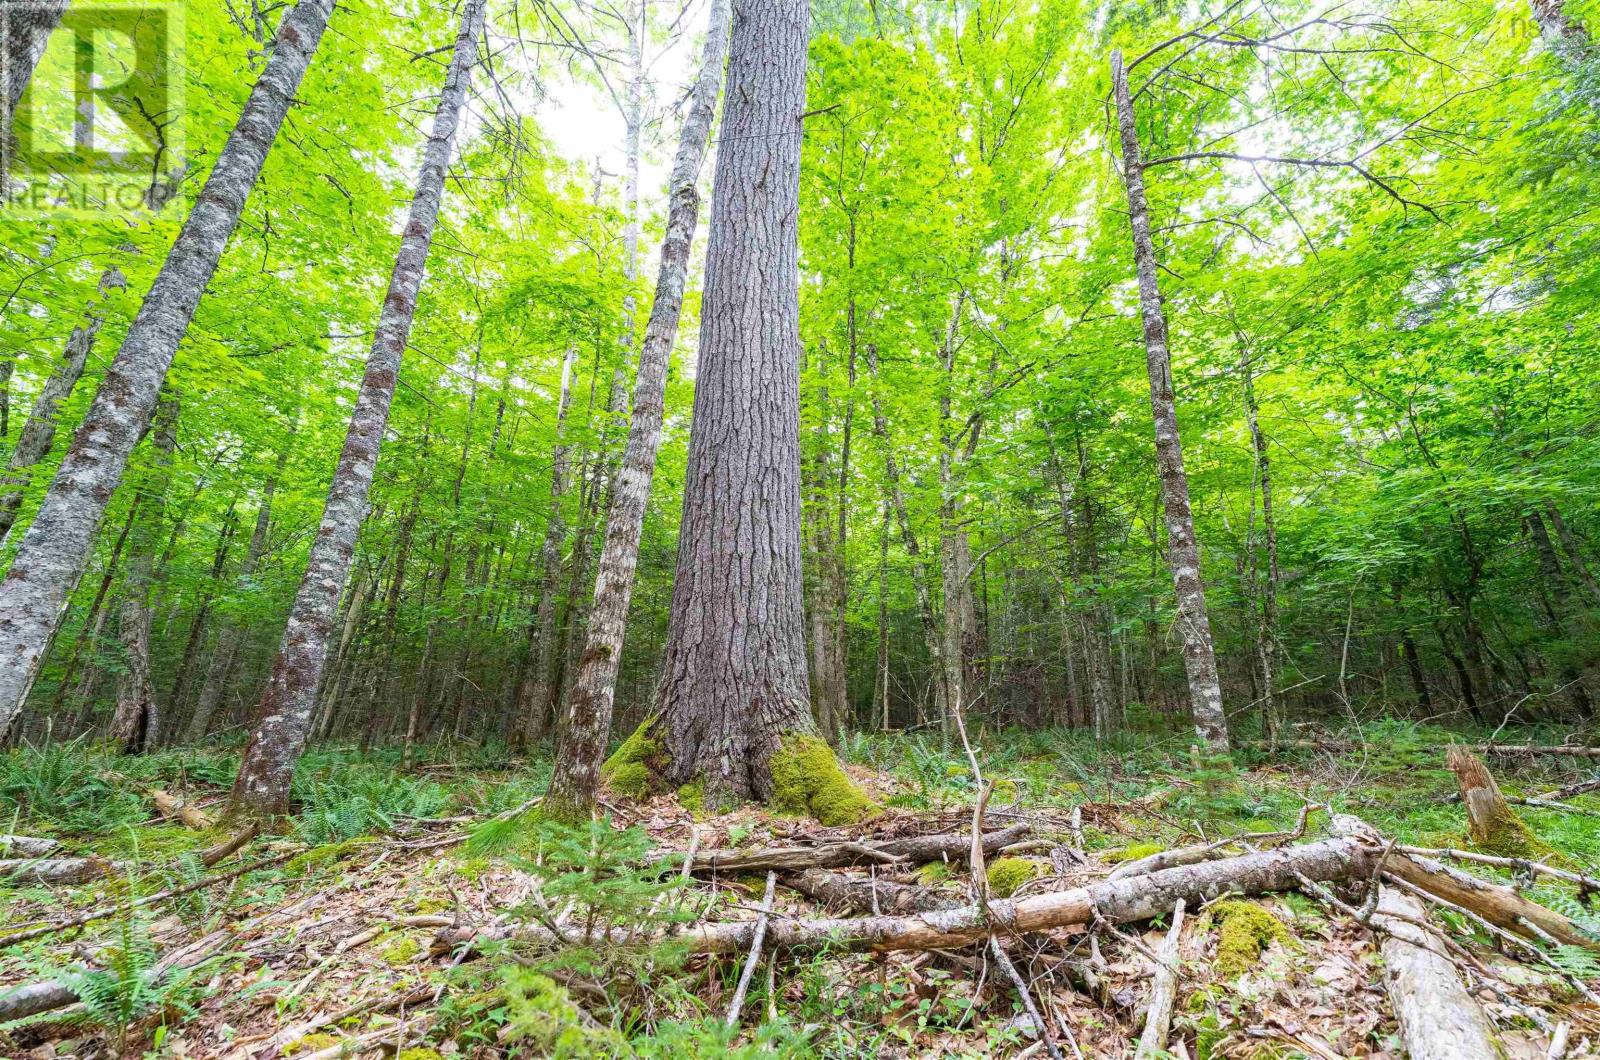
(545, 1021)
(327, 854)
(1131, 853)
(1006, 875)
(692, 796)
(401, 951)
(934, 873)
(311, 1043)
(629, 770)
(1244, 930)
(807, 780)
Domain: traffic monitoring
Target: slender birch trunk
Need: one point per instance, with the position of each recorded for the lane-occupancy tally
(136, 724)
(197, 628)
(285, 714)
(920, 577)
(588, 717)
(1183, 549)
(536, 700)
(1267, 628)
(39, 432)
(59, 541)
(232, 632)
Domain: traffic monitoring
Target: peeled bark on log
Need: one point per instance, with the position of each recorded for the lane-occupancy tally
(1439, 1020)
(23, 846)
(1120, 902)
(916, 850)
(864, 894)
(1501, 906)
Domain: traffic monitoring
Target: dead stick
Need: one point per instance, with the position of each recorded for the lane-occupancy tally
(755, 951)
(1163, 991)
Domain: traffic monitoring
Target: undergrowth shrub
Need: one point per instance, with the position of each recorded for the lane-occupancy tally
(69, 787)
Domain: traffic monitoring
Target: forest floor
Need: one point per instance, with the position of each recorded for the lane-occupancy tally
(339, 945)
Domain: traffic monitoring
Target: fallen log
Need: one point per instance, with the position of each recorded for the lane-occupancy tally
(30, 999)
(170, 806)
(23, 846)
(1438, 1019)
(1510, 750)
(53, 870)
(1121, 901)
(863, 894)
(1163, 992)
(1500, 906)
(915, 850)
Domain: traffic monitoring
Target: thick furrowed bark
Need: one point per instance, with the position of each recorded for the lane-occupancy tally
(1439, 1020)
(1183, 549)
(576, 776)
(58, 542)
(285, 714)
(735, 679)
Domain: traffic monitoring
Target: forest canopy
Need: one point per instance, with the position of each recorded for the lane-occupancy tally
(1217, 374)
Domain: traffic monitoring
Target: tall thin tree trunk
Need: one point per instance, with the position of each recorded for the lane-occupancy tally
(920, 577)
(226, 652)
(583, 738)
(136, 725)
(1183, 549)
(882, 679)
(537, 697)
(39, 432)
(1569, 545)
(61, 537)
(734, 682)
(197, 628)
(1267, 627)
(284, 717)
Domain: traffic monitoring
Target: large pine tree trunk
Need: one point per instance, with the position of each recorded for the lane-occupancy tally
(284, 717)
(734, 681)
(135, 726)
(39, 432)
(232, 632)
(59, 541)
(1183, 549)
(588, 718)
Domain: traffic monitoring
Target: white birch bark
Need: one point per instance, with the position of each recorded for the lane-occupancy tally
(1183, 549)
(58, 543)
(588, 718)
(284, 717)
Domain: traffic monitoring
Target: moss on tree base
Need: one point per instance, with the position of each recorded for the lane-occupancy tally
(631, 767)
(807, 780)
